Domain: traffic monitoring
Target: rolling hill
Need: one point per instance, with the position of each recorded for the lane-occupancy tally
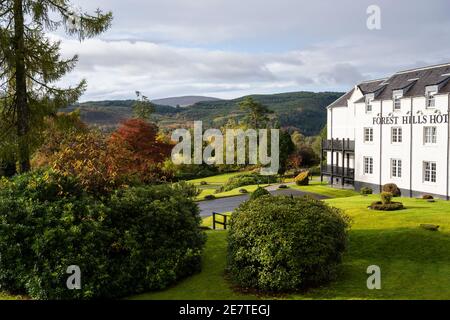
(304, 111)
(184, 101)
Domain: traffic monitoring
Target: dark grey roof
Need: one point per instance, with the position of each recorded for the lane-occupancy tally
(412, 82)
(342, 101)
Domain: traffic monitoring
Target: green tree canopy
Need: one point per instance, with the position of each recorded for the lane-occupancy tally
(31, 64)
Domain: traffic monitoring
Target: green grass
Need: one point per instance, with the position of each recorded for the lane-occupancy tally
(415, 263)
(325, 189)
(219, 179)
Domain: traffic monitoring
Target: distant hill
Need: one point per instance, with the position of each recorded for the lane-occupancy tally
(303, 111)
(184, 101)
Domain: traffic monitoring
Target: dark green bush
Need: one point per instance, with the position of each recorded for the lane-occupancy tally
(243, 191)
(209, 197)
(246, 180)
(203, 183)
(366, 190)
(427, 197)
(392, 206)
(392, 188)
(259, 192)
(284, 244)
(137, 240)
(282, 186)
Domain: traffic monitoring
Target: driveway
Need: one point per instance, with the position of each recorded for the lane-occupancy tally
(207, 207)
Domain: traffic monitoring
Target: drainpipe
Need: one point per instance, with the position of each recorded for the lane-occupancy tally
(381, 145)
(411, 150)
(448, 145)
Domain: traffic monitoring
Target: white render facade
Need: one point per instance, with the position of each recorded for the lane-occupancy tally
(393, 130)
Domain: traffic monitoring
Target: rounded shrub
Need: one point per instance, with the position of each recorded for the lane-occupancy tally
(392, 206)
(209, 197)
(427, 197)
(243, 191)
(302, 179)
(366, 191)
(282, 186)
(386, 197)
(282, 244)
(203, 183)
(136, 240)
(392, 188)
(259, 192)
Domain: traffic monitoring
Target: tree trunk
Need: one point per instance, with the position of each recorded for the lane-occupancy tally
(21, 101)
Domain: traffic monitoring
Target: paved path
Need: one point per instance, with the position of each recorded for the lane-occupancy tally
(229, 204)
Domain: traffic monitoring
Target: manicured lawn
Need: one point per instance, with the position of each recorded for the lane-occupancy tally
(415, 263)
(219, 179)
(326, 190)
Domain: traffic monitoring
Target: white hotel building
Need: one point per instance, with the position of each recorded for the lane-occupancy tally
(393, 130)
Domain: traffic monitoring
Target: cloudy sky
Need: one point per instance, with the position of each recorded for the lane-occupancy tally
(230, 48)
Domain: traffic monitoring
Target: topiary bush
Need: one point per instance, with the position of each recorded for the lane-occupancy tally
(386, 203)
(246, 180)
(386, 197)
(282, 244)
(366, 191)
(136, 240)
(379, 205)
(302, 179)
(259, 192)
(392, 188)
(427, 197)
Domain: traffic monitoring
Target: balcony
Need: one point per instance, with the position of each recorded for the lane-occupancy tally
(336, 171)
(338, 145)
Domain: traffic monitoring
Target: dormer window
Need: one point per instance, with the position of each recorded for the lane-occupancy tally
(397, 96)
(431, 99)
(369, 101)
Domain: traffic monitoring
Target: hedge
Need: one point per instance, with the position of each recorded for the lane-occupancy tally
(246, 180)
(136, 240)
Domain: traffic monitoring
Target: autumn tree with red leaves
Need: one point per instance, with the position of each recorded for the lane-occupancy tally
(138, 151)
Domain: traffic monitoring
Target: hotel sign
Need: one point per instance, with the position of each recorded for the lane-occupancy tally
(422, 119)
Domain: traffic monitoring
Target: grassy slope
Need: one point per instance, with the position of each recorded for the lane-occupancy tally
(323, 189)
(415, 263)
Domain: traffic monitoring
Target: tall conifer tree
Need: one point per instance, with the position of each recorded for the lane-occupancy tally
(30, 64)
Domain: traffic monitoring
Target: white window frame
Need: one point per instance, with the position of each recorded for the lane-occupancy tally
(369, 105)
(429, 171)
(431, 99)
(368, 135)
(396, 135)
(368, 165)
(429, 135)
(396, 168)
(397, 102)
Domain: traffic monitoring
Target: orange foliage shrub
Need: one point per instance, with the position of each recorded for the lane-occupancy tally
(139, 152)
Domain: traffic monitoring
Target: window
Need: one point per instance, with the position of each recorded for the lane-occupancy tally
(429, 135)
(368, 134)
(369, 104)
(429, 171)
(368, 165)
(396, 135)
(396, 168)
(431, 99)
(397, 102)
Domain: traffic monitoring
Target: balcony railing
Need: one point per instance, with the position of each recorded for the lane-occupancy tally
(338, 171)
(336, 144)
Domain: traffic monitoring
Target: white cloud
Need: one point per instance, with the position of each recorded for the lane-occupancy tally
(231, 48)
